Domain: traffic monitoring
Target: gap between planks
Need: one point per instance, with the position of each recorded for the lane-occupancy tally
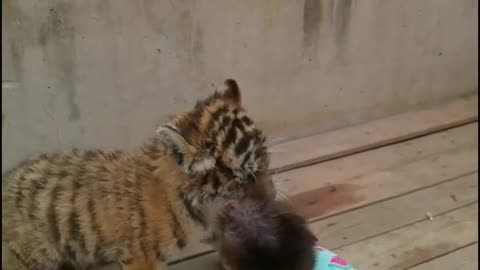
(412, 245)
(381, 173)
(371, 135)
(352, 228)
(323, 202)
(355, 226)
(354, 139)
(436, 199)
(465, 257)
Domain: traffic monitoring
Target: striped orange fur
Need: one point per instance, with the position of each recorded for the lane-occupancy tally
(85, 207)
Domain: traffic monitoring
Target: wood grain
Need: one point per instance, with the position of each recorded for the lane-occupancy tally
(354, 226)
(340, 185)
(354, 139)
(380, 159)
(317, 203)
(362, 179)
(397, 249)
(411, 245)
(465, 258)
(379, 218)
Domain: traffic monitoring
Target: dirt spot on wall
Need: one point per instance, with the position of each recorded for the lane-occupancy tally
(57, 24)
(185, 30)
(270, 13)
(342, 12)
(342, 15)
(14, 21)
(312, 18)
(57, 37)
(153, 14)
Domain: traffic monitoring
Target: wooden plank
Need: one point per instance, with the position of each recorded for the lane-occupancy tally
(354, 226)
(372, 171)
(465, 259)
(417, 243)
(380, 159)
(349, 140)
(364, 223)
(326, 201)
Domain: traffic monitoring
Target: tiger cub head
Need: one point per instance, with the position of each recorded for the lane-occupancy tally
(219, 147)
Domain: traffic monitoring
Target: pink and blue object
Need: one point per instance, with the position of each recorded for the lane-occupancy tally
(327, 260)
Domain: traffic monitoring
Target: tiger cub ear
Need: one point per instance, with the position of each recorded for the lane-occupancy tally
(232, 93)
(193, 161)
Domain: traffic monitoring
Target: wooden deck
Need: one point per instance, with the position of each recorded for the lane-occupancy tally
(368, 190)
(396, 193)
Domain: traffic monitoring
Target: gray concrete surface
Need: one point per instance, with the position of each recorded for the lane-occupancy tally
(83, 73)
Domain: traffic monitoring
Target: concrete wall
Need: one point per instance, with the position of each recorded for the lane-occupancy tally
(104, 73)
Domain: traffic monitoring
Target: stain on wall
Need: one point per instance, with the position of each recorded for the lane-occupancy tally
(325, 19)
(57, 36)
(342, 12)
(188, 36)
(312, 18)
(341, 18)
(12, 19)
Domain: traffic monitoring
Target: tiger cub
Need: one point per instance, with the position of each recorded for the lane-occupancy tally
(136, 208)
